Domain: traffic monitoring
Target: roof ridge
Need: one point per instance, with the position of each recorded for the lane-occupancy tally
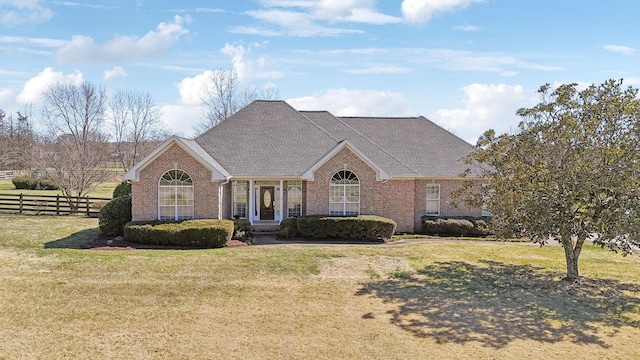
(318, 126)
(376, 145)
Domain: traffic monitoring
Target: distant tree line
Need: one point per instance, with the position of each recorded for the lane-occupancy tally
(80, 129)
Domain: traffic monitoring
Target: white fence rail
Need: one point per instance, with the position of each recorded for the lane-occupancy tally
(7, 175)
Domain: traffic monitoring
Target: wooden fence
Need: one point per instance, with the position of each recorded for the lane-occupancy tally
(51, 204)
(7, 175)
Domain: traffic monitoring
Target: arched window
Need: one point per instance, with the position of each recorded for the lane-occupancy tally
(175, 196)
(344, 194)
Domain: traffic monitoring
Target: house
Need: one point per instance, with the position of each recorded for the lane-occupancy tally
(270, 161)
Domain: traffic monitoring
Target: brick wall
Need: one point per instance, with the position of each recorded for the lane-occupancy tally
(392, 199)
(447, 187)
(145, 192)
(318, 190)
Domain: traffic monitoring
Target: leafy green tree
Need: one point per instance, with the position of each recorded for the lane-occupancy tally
(571, 173)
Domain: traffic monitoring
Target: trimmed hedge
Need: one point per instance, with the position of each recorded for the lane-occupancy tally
(114, 215)
(456, 226)
(363, 227)
(24, 183)
(124, 188)
(28, 183)
(289, 228)
(205, 233)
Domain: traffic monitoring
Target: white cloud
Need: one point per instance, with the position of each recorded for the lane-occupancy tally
(180, 119)
(361, 11)
(41, 42)
(468, 28)
(17, 12)
(34, 87)
(303, 18)
(191, 88)
(115, 72)
(625, 50)
(123, 48)
(246, 67)
(486, 106)
(346, 102)
(6, 99)
(290, 23)
(378, 69)
(421, 11)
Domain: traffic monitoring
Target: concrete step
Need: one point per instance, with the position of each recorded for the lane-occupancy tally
(265, 228)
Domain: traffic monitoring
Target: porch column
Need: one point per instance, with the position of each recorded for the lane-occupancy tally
(252, 201)
(281, 200)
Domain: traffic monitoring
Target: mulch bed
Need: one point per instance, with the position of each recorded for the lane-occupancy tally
(104, 242)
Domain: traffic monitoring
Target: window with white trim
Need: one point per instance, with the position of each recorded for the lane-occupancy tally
(175, 196)
(239, 201)
(344, 194)
(294, 198)
(433, 200)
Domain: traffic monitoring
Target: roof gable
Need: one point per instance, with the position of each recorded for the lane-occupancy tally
(380, 173)
(189, 146)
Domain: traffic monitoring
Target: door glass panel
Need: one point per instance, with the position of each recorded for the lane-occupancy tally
(266, 198)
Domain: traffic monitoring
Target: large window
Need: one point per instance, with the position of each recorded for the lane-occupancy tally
(175, 196)
(240, 199)
(433, 200)
(344, 194)
(294, 198)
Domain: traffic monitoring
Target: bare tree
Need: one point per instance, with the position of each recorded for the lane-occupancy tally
(136, 124)
(17, 140)
(74, 147)
(223, 97)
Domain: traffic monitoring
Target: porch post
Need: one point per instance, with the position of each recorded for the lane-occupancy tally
(281, 200)
(252, 201)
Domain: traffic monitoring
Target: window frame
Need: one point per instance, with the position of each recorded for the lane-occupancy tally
(239, 189)
(343, 186)
(180, 194)
(294, 205)
(433, 210)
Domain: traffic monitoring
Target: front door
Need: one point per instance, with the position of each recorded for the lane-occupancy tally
(266, 202)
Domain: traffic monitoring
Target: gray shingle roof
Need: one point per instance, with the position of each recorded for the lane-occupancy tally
(272, 139)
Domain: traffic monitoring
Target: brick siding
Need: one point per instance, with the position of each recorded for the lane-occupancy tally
(145, 192)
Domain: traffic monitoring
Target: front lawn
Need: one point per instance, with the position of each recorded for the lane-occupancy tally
(436, 299)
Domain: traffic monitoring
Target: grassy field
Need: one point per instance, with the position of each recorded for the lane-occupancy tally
(437, 299)
(104, 190)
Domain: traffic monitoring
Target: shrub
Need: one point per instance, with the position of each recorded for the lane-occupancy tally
(455, 226)
(124, 188)
(289, 228)
(114, 215)
(29, 183)
(241, 229)
(191, 233)
(24, 183)
(363, 227)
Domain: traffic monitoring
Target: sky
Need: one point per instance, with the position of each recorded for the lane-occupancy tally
(467, 65)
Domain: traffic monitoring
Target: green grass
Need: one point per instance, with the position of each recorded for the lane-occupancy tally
(436, 299)
(104, 190)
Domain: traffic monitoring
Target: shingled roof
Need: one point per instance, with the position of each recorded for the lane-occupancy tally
(272, 139)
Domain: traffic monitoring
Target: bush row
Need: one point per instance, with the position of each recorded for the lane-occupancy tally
(192, 233)
(29, 183)
(363, 227)
(456, 226)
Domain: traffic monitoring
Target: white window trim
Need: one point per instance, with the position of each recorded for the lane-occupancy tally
(291, 184)
(428, 200)
(234, 201)
(344, 187)
(176, 213)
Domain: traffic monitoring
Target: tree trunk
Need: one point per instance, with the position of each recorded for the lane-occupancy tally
(571, 255)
